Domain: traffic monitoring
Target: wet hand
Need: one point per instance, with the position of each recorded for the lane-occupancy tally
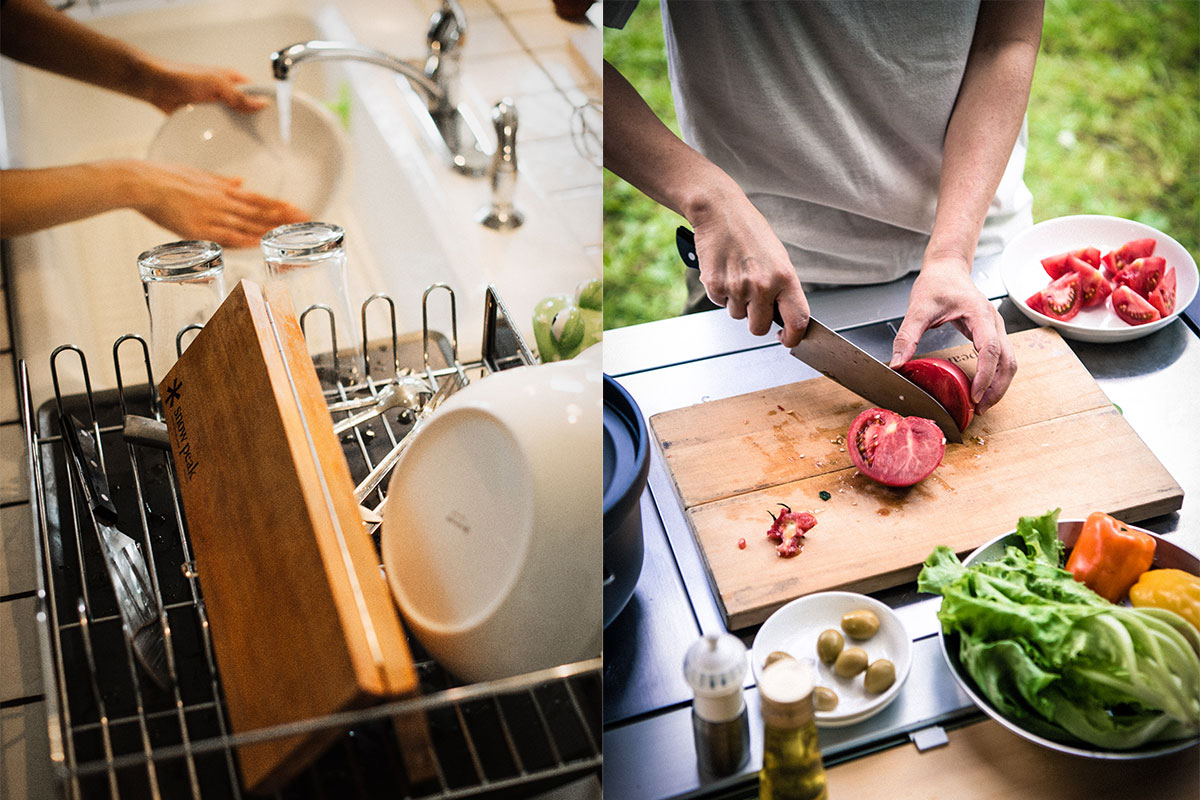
(176, 85)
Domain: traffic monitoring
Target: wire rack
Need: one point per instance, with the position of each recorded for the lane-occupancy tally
(114, 733)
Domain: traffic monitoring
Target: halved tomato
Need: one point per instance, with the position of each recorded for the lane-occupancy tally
(1143, 275)
(1125, 255)
(1163, 295)
(1093, 287)
(946, 382)
(1056, 266)
(1061, 300)
(895, 450)
(1132, 307)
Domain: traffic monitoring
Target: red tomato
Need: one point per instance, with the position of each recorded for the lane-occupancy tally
(1061, 300)
(1125, 255)
(895, 450)
(1093, 287)
(1056, 266)
(946, 382)
(1163, 296)
(1132, 307)
(1143, 275)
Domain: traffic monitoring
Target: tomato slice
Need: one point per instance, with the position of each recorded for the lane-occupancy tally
(1162, 297)
(1057, 266)
(1125, 255)
(1061, 300)
(1093, 286)
(1143, 275)
(895, 450)
(946, 382)
(1132, 307)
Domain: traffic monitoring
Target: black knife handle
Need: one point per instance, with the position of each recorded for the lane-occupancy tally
(685, 242)
(89, 469)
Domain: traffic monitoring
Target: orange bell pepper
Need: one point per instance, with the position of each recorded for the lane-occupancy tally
(1109, 556)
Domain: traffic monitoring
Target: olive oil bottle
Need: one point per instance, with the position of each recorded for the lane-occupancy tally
(791, 765)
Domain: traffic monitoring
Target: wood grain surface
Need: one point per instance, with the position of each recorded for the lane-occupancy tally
(302, 621)
(1054, 441)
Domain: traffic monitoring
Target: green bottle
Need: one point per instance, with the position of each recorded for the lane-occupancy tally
(791, 765)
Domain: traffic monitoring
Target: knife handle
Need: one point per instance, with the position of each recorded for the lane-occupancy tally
(90, 471)
(685, 242)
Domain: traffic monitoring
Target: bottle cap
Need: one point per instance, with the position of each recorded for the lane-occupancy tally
(715, 666)
(785, 691)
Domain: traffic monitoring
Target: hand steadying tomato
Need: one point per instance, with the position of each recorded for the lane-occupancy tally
(895, 450)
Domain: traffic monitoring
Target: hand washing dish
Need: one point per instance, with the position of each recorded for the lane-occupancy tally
(307, 172)
(489, 533)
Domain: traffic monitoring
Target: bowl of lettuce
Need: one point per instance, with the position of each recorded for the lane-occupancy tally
(1054, 662)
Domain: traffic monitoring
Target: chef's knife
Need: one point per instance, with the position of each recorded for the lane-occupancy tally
(136, 600)
(848, 364)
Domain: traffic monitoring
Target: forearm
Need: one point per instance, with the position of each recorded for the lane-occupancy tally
(37, 35)
(985, 123)
(41, 198)
(641, 149)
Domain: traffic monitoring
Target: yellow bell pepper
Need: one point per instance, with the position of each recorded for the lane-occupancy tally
(1172, 589)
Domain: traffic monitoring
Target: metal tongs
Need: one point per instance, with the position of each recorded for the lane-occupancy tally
(137, 604)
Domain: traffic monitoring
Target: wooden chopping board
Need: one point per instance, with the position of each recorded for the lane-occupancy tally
(1054, 441)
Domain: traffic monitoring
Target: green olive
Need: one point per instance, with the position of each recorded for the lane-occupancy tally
(860, 624)
(776, 655)
(829, 644)
(880, 675)
(825, 699)
(850, 662)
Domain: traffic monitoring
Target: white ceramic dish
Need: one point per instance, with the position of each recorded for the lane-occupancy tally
(1166, 555)
(490, 537)
(1023, 275)
(306, 173)
(794, 629)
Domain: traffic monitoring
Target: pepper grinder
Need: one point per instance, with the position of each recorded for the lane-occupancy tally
(715, 666)
(501, 214)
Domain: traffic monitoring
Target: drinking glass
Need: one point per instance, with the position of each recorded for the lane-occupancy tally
(184, 283)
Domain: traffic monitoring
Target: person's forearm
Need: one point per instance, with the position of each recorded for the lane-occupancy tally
(41, 198)
(641, 149)
(985, 123)
(37, 35)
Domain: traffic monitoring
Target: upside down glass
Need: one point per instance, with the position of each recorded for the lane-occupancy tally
(309, 259)
(184, 283)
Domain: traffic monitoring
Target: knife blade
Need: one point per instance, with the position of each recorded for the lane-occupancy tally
(845, 363)
(137, 602)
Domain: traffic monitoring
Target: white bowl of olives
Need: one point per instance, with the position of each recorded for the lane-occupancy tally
(858, 646)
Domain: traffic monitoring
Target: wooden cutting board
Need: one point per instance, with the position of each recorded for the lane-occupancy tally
(1054, 441)
(302, 621)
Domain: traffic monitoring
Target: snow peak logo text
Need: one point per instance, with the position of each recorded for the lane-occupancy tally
(175, 404)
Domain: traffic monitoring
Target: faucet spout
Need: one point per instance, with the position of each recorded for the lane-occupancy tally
(285, 61)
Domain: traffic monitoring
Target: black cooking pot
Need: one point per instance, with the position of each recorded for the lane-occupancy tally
(626, 463)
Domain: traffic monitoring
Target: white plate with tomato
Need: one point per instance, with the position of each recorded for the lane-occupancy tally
(1053, 271)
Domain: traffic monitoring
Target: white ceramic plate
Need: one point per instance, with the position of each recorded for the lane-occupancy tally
(1167, 555)
(306, 173)
(1022, 273)
(794, 629)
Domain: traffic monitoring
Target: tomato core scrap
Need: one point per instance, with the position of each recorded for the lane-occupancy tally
(788, 528)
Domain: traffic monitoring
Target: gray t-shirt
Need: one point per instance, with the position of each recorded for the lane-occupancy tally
(831, 117)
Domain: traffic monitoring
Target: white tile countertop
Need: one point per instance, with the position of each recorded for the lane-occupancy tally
(515, 48)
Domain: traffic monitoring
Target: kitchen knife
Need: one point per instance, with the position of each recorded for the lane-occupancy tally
(848, 364)
(136, 601)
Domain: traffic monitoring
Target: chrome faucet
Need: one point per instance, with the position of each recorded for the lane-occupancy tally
(502, 214)
(441, 119)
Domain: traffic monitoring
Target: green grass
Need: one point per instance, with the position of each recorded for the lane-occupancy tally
(1114, 128)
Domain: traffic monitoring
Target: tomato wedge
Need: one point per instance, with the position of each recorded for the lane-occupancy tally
(895, 450)
(1132, 307)
(1125, 255)
(1061, 300)
(1162, 297)
(1143, 275)
(946, 382)
(1094, 288)
(1057, 266)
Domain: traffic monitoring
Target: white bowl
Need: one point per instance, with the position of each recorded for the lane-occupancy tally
(794, 630)
(1023, 275)
(490, 535)
(306, 173)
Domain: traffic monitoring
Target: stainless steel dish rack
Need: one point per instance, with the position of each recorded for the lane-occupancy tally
(113, 733)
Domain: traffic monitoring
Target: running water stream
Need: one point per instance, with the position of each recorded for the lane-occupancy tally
(283, 99)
